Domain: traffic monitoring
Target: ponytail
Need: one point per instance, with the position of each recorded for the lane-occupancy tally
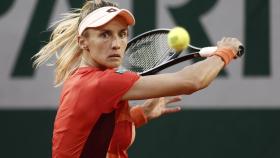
(63, 42)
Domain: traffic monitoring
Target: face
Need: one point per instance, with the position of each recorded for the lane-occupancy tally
(106, 44)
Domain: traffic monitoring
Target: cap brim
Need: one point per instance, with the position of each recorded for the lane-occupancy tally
(104, 15)
(128, 17)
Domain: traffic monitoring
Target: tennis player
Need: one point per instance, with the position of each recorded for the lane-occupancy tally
(94, 119)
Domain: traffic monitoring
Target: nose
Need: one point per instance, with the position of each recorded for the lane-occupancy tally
(116, 43)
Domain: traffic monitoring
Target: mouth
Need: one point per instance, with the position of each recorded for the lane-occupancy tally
(114, 56)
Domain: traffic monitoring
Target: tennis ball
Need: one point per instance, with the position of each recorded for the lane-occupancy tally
(178, 38)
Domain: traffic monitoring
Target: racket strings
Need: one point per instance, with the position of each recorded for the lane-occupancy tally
(148, 52)
(155, 56)
(164, 48)
(142, 60)
(145, 61)
(146, 45)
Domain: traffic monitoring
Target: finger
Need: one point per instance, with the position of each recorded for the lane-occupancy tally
(173, 99)
(221, 41)
(172, 110)
(155, 100)
(150, 102)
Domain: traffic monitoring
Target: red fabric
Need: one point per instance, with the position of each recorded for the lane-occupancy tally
(86, 95)
(123, 135)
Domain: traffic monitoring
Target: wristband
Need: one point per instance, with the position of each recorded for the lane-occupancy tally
(226, 54)
(138, 116)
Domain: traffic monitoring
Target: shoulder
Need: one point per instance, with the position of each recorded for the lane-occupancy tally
(117, 78)
(115, 74)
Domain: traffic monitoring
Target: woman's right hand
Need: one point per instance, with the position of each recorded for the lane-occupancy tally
(228, 42)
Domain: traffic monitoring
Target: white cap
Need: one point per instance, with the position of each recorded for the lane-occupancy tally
(103, 15)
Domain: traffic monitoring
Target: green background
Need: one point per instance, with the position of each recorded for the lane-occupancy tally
(190, 133)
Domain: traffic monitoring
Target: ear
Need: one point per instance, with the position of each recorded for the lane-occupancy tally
(83, 43)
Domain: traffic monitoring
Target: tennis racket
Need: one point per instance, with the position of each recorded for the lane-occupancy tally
(149, 53)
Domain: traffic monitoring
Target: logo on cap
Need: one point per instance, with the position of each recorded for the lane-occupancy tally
(111, 10)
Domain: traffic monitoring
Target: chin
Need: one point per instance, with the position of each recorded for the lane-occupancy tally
(113, 65)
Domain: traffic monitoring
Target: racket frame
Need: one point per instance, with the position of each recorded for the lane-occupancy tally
(174, 59)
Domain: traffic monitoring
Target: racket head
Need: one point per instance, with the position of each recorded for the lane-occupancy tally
(149, 50)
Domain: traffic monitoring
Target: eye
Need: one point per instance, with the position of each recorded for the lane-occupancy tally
(123, 34)
(105, 34)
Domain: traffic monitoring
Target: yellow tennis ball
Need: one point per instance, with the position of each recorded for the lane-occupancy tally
(178, 38)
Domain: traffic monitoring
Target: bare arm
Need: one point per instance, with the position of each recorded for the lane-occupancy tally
(190, 79)
(186, 81)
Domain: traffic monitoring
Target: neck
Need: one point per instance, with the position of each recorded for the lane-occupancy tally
(87, 63)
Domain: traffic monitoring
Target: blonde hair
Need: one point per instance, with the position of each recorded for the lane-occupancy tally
(64, 40)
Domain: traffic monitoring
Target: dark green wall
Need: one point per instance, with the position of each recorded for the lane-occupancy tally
(188, 134)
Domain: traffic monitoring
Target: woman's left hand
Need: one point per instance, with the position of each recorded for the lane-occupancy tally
(156, 107)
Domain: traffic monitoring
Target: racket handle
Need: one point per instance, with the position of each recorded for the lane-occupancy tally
(241, 51)
(208, 51)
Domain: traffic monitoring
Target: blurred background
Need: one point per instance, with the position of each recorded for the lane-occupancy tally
(237, 116)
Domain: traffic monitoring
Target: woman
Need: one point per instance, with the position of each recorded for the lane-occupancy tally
(94, 118)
